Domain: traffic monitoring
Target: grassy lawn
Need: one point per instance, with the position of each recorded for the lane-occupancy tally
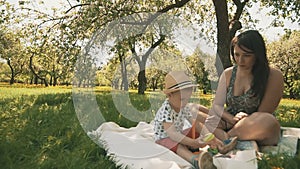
(39, 127)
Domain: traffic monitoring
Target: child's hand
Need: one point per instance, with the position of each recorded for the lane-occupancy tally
(215, 143)
(209, 139)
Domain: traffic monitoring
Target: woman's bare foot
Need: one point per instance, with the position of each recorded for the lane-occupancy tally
(228, 147)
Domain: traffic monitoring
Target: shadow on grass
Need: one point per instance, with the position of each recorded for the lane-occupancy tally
(43, 132)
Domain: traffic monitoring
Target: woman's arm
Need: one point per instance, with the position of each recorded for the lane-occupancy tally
(273, 92)
(220, 97)
(229, 118)
(217, 108)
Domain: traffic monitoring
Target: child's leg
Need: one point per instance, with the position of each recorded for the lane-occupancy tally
(184, 152)
(202, 161)
(168, 143)
(188, 132)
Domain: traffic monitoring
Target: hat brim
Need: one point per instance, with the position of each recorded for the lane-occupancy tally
(166, 91)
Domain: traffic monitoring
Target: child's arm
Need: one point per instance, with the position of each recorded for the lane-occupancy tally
(199, 127)
(202, 130)
(180, 138)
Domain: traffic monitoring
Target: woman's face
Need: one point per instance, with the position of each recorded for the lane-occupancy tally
(179, 99)
(245, 59)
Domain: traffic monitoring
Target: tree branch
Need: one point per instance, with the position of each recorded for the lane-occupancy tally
(235, 24)
(133, 51)
(75, 6)
(153, 46)
(239, 8)
(147, 22)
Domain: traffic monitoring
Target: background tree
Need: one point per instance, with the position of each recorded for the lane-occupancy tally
(4, 72)
(284, 54)
(228, 23)
(12, 50)
(288, 9)
(50, 49)
(108, 70)
(162, 61)
(122, 51)
(71, 27)
(195, 63)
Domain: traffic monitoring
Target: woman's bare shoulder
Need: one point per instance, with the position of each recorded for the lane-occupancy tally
(275, 79)
(228, 71)
(275, 74)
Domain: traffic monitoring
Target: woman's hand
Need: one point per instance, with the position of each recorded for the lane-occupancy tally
(239, 116)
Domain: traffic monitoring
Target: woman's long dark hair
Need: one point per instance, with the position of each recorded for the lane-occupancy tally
(253, 41)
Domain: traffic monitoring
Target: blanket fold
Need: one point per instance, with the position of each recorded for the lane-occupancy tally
(135, 147)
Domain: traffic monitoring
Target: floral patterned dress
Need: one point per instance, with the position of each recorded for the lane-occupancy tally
(247, 102)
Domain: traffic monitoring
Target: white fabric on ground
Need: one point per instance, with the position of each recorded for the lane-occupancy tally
(135, 147)
(242, 159)
(287, 143)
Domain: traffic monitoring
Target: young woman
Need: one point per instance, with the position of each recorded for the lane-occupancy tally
(251, 91)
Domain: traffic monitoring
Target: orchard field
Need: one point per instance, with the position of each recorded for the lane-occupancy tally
(39, 128)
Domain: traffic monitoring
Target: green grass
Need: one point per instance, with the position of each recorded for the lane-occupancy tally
(39, 127)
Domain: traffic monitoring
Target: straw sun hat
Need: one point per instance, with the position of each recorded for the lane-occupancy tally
(177, 80)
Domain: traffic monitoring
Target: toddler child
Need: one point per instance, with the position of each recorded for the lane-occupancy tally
(170, 118)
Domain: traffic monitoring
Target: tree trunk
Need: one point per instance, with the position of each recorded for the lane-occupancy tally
(142, 63)
(45, 82)
(36, 74)
(223, 38)
(55, 81)
(226, 31)
(123, 71)
(51, 80)
(36, 80)
(12, 79)
(142, 82)
(154, 83)
(12, 74)
(292, 94)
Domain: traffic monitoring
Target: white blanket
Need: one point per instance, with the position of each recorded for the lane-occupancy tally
(135, 147)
